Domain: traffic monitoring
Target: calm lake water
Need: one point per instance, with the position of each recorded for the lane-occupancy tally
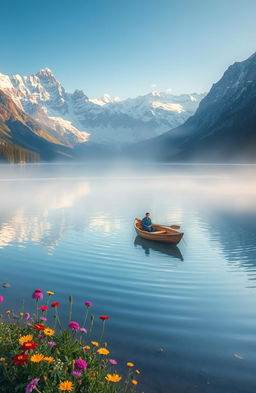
(185, 315)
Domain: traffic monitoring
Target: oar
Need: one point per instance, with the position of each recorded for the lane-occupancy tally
(171, 226)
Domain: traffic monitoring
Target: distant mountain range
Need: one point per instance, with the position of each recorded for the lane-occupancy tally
(223, 127)
(40, 120)
(104, 120)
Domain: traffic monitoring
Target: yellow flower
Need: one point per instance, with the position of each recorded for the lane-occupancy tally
(38, 357)
(50, 293)
(49, 332)
(25, 339)
(66, 386)
(48, 359)
(130, 364)
(137, 371)
(134, 382)
(87, 347)
(103, 351)
(95, 343)
(113, 378)
(21, 314)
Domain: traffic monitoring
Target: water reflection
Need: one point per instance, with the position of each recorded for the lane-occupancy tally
(167, 249)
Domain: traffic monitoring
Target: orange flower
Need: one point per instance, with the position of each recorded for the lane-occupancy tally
(130, 364)
(103, 351)
(134, 382)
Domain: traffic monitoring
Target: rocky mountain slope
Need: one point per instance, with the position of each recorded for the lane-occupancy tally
(22, 139)
(104, 120)
(223, 127)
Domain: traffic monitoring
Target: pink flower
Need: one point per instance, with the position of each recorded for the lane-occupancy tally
(43, 318)
(37, 295)
(1, 299)
(40, 336)
(31, 385)
(29, 324)
(80, 364)
(83, 330)
(76, 373)
(112, 361)
(52, 343)
(73, 325)
(27, 316)
(88, 303)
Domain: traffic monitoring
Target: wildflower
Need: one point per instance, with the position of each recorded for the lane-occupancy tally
(20, 359)
(76, 373)
(43, 319)
(50, 293)
(113, 378)
(37, 295)
(51, 343)
(27, 316)
(103, 351)
(38, 326)
(38, 290)
(86, 347)
(44, 308)
(95, 343)
(134, 382)
(29, 324)
(88, 303)
(130, 364)
(28, 345)
(40, 336)
(66, 386)
(112, 361)
(104, 317)
(25, 339)
(48, 359)
(49, 332)
(73, 325)
(32, 385)
(55, 304)
(80, 364)
(38, 357)
(8, 311)
(137, 371)
(21, 314)
(1, 299)
(83, 330)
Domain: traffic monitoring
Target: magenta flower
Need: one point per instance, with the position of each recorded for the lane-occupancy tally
(31, 385)
(52, 343)
(76, 373)
(80, 364)
(37, 295)
(73, 325)
(43, 318)
(112, 361)
(1, 299)
(88, 303)
(83, 330)
(27, 316)
(40, 336)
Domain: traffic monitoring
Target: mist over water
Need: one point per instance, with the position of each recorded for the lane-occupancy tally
(185, 315)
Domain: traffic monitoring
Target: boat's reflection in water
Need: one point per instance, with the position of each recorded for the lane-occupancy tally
(164, 248)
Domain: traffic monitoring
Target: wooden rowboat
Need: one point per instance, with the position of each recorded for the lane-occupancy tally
(162, 234)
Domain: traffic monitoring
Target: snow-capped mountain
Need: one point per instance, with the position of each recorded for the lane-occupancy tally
(223, 127)
(102, 120)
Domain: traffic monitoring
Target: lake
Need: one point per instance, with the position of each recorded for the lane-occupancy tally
(185, 315)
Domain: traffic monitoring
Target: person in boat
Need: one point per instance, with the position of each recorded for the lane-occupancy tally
(147, 223)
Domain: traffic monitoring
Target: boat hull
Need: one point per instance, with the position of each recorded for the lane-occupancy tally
(169, 236)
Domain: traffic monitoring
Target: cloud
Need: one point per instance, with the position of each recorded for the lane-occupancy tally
(153, 86)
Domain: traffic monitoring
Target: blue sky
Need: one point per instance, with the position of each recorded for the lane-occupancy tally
(124, 47)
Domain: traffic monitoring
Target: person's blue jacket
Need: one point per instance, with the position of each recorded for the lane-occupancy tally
(146, 222)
